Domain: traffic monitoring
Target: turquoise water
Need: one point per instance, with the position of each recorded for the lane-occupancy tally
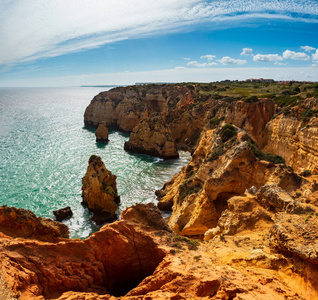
(44, 152)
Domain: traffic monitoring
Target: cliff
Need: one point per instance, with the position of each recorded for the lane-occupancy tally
(279, 126)
(152, 136)
(244, 212)
(139, 258)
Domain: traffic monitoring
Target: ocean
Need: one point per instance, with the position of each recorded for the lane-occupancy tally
(44, 152)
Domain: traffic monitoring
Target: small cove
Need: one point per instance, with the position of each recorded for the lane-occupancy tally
(44, 152)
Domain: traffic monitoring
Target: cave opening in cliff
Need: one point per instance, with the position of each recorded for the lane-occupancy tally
(220, 202)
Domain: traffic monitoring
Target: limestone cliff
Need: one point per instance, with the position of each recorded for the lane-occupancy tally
(139, 258)
(294, 137)
(152, 136)
(222, 166)
(124, 107)
(99, 191)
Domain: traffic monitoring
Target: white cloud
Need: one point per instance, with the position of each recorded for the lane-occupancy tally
(295, 55)
(31, 30)
(226, 60)
(307, 48)
(187, 58)
(267, 57)
(281, 64)
(209, 57)
(180, 68)
(315, 56)
(194, 63)
(247, 51)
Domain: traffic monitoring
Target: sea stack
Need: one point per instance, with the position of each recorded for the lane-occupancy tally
(102, 132)
(100, 191)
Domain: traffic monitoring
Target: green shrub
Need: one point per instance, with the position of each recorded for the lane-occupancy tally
(108, 189)
(276, 159)
(190, 87)
(227, 132)
(216, 153)
(307, 114)
(251, 99)
(306, 173)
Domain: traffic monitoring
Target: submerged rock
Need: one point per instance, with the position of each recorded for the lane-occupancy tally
(63, 213)
(100, 190)
(102, 132)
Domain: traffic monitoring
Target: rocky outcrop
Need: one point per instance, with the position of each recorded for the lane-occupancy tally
(18, 222)
(294, 138)
(124, 107)
(112, 260)
(152, 136)
(251, 117)
(102, 132)
(297, 234)
(139, 258)
(99, 191)
(218, 170)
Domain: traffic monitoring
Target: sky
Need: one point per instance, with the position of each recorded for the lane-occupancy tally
(103, 42)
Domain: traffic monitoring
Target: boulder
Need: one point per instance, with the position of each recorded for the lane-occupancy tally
(102, 132)
(272, 196)
(99, 190)
(63, 213)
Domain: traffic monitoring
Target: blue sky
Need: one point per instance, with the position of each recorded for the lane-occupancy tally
(83, 42)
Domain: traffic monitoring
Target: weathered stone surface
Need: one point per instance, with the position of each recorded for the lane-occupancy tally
(18, 222)
(152, 136)
(251, 117)
(295, 140)
(272, 196)
(296, 234)
(99, 189)
(243, 213)
(217, 171)
(102, 132)
(63, 213)
(124, 107)
(112, 260)
(132, 251)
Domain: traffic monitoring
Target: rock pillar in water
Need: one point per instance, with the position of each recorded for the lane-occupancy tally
(99, 191)
(102, 132)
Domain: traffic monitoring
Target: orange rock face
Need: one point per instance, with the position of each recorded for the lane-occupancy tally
(152, 136)
(18, 222)
(99, 189)
(102, 132)
(139, 258)
(217, 171)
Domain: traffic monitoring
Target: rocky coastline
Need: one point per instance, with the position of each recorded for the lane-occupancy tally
(244, 211)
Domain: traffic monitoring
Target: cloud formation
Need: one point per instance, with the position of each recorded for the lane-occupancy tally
(267, 57)
(295, 55)
(226, 60)
(31, 30)
(315, 56)
(194, 63)
(209, 57)
(307, 48)
(247, 51)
